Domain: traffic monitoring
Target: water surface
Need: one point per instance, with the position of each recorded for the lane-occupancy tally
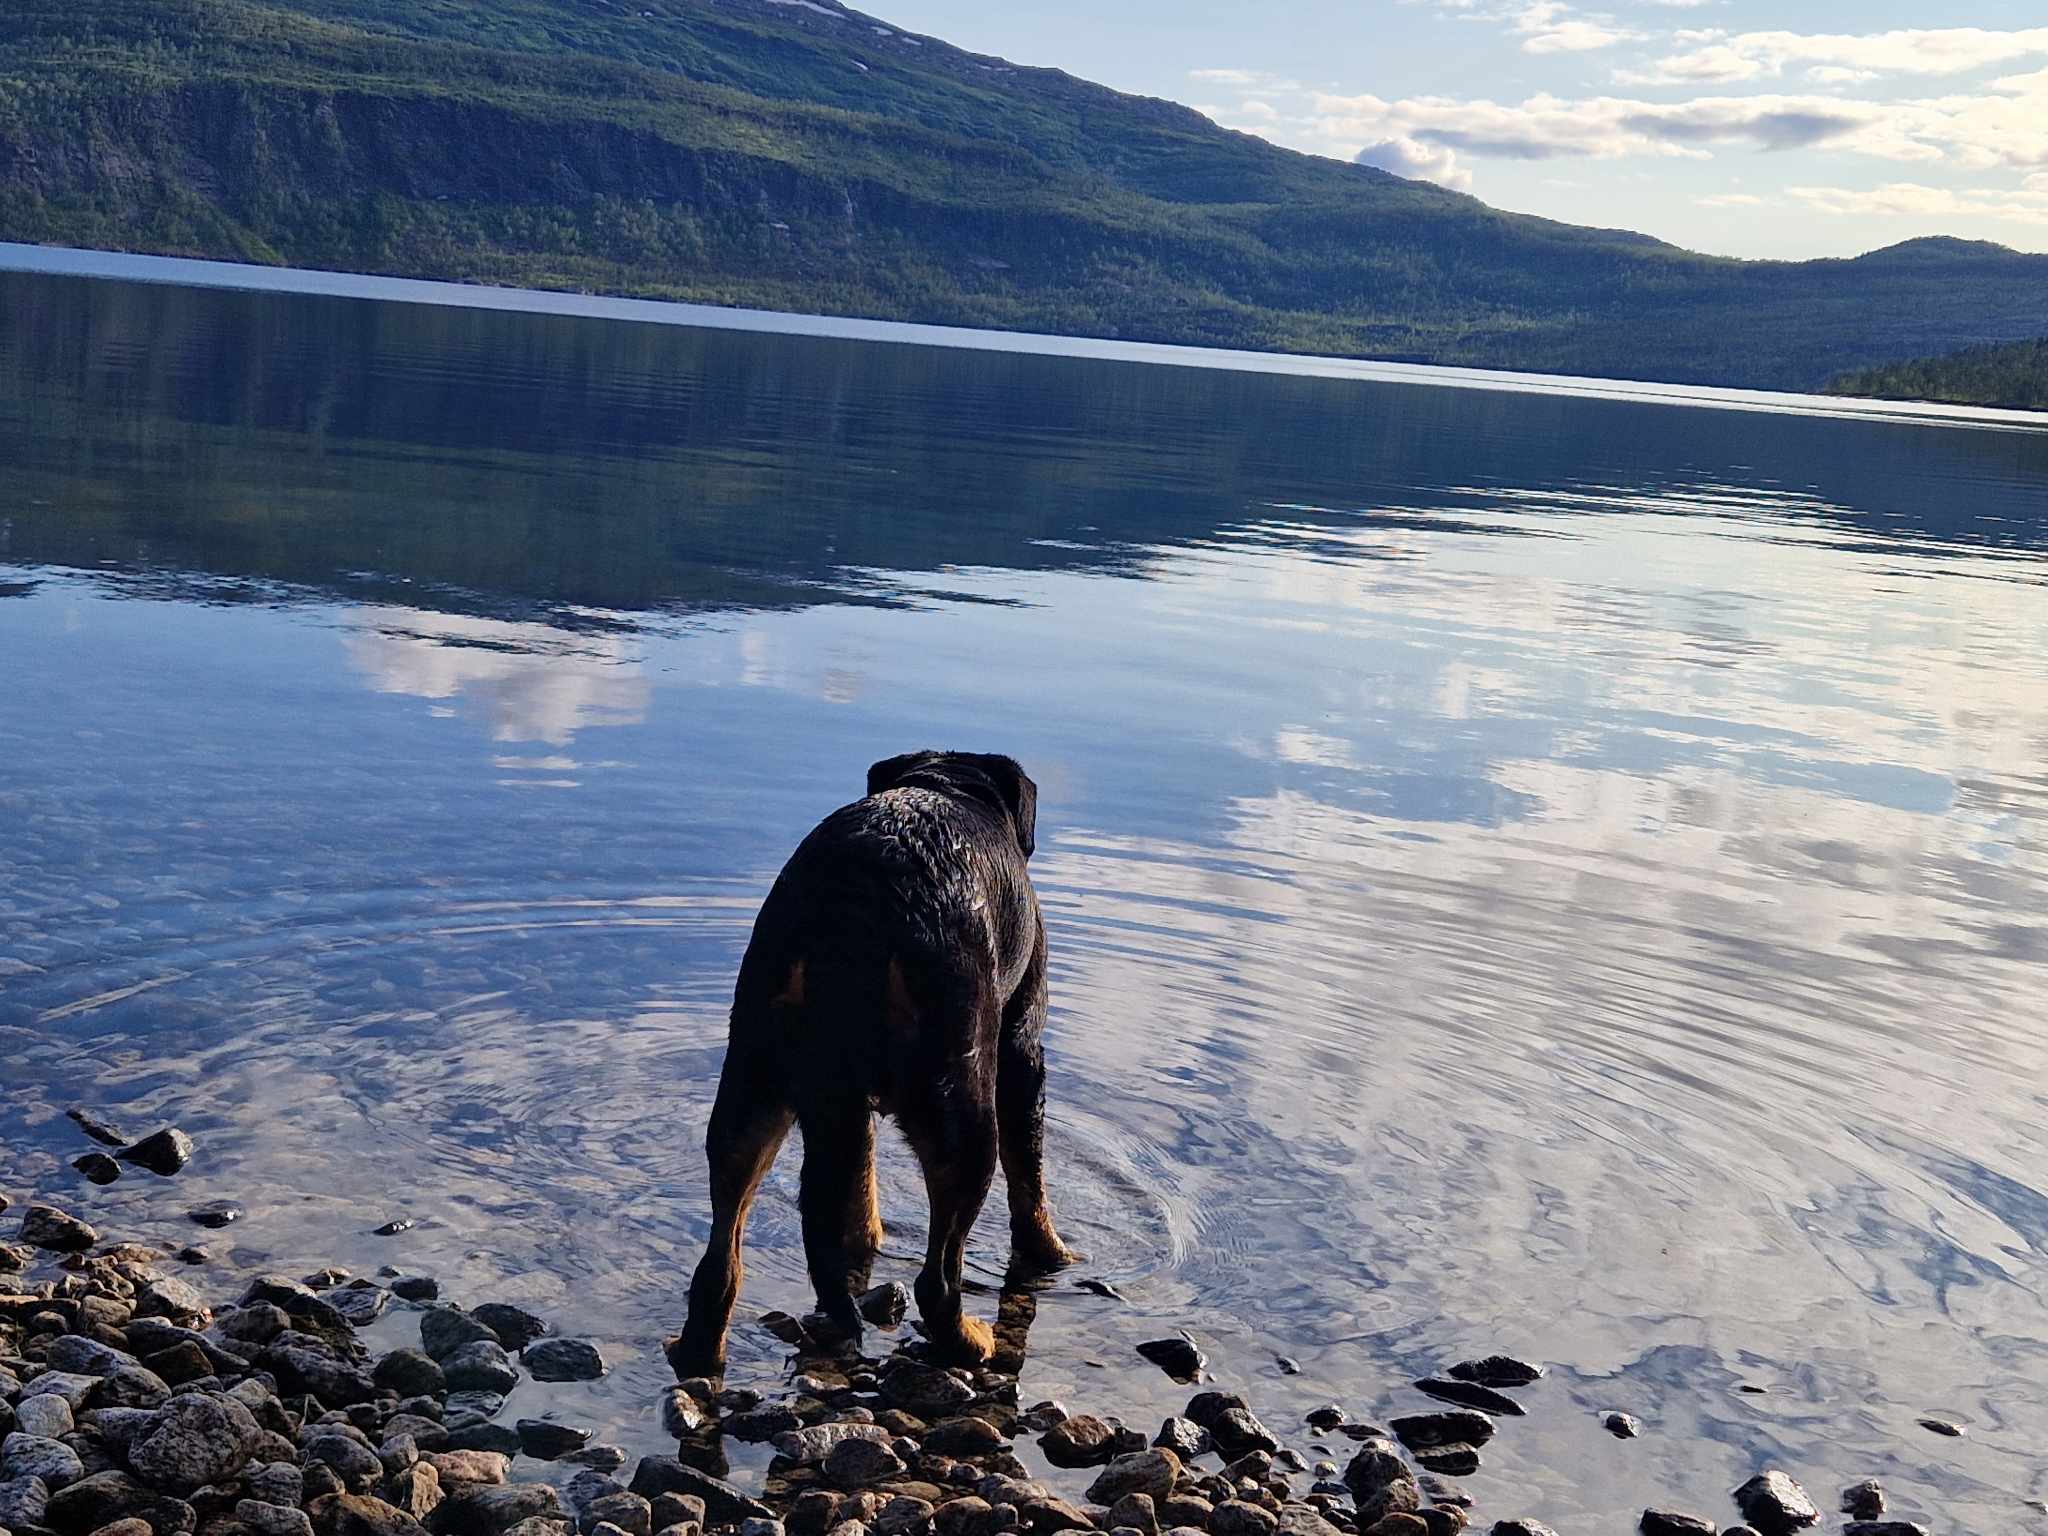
(1525, 870)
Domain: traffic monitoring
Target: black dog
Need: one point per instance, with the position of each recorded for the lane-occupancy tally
(898, 966)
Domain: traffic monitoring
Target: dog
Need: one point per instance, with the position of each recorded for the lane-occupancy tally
(897, 967)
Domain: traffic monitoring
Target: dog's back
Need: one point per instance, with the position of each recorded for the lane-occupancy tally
(898, 965)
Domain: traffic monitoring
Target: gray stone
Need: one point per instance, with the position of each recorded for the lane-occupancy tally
(52, 1462)
(168, 1296)
(515, 1326)
(1151, 1472)
(564, 1360)
(45, 1414)
(1304, 1520)
(410, 1373)
(682, 1415)
(808, 1447)
(132, 1386)
(859, 1463)
(1521, 1528)
(95, 1501)
(1497, 1371)
(1622, 1426)
(1775, 1505)
(199, 1440)
(480, 1365)
(493, 1511)
(359, 1468)
(1666, 1522)
(1884, 1528)
(415, 1490)
(275, 1482)
(723, 1503)
(443, 1330)
(45, 1226)
(963, 1435)
(361, 1304)
(1470, 1394)
(1457, 1426)
(624, 1511)
(357, 1514)
(545, 1440)
(73, 1386)
(1238, 1430)
(162, 1152)
(1080, 1441)
(24, 1501)
(1864, 1500)
(757, 1425)
(273, 1519)
(1176, 1356)
(1234, 1517)
(886, 1305)
(469, 1467)
(1184, 1437)
(122, 1427)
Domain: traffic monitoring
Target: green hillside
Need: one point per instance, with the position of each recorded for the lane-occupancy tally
(789, 154)
(2014, 376)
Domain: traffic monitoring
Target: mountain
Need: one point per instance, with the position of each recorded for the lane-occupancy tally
(793, 154)
(2014, 376)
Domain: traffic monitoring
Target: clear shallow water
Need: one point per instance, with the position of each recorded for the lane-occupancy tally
(1524, 870)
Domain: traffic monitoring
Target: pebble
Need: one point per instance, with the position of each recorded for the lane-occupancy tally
(886, 1305)
(1621, 1425)
(1083, 1440)
(1470, 1394)
(395, 1226)
(1289, 1366)
(48, 1461)
(1497, 1371)
(46, 1414)
(215, 1216)
(1458, 1426)
(1178, 1357)
(564, 1360)
(1884, 1528)
(1775, 1505)
(1522, 1528)
(162, 1152)
(1947, 1427)
(45, 1226)
(1864, 1500)
(94, 1127)
(1450, 1460)
(1099, 1288)
(98, 1167)
(1664, 1522)
(416, 1288)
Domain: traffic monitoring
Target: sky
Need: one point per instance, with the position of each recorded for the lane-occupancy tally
(1732, 126)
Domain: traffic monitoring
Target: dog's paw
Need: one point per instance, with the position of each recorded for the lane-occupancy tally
(975, 1341)
(690, 1358)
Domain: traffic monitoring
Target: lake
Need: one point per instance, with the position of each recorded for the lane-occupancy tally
(1528, 867)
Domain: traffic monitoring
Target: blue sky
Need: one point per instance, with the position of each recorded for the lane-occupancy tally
(1732, 126)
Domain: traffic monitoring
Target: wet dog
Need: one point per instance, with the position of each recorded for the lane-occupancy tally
(897, 967)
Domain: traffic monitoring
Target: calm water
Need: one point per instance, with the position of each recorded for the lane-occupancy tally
(1524, 870)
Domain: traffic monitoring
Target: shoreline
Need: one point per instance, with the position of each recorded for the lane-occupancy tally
(136, 1401)
(178, 271)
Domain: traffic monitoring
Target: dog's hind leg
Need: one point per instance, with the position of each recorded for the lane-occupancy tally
(748, 1123)
(841, 1229)
(1035, 1246)
(953, 1132)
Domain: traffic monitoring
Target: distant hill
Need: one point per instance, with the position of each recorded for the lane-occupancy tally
(2014, 376)
(792, 154)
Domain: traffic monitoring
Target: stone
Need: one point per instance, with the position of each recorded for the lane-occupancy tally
(410, 1373)
(416, 1288)
(24, 1502)
(1497, 1371)
(93, 1126)
(1136, 1511)
(478, 1435)
(627, 1512)
(304, 1365)
(1665, 1522)
(854, 1463)
(51, 1462)
(1621, 1425)
(273, 1519)
(514, 1327)
(1450, 1460)
(415, 1491)
(759, 1526)
(1238, 1430)
(1304, 1520)
(133, 1386)
(104, 1497)
(162, 1152)
(545, 1440)
(75, 1387)
(184, 1361)
(1775, 1505)
(758, 1425)
(1470, 1394)
(479, 1365)
(360, 1304)
(44, 1226)
(925, 1390)
(1884, 1528)
(168, 1296)
(1080, 1441)
(220, 1213)
(1521, 1528)
(454, 1467)
(1864, 1500)
(46, 1414)
(1404, 1523)
(1376, 1464)
(1948, 1427)
(359, 1468)
(358, 1514)
(1176, 1356)
(1235, 1517)
(487, 1511)
(275, 1482)
(723, 1503)
(1444, 1519)
(904, 1515)
(967, 1516)
(810, 1446)
(682, 1415)
(129, 1527)
(97, 1167)
(680, 1508)
(443, 1330)
(885, 1305)
(1458, 1426)
(564, 1360)
(1152, 1472)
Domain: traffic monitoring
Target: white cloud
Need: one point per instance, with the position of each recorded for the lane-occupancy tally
(1911, 51)
(1549, 27)
(1252, 82)
(1905, 199)
(1417, 161)
(2004, 126)
(1730, 200)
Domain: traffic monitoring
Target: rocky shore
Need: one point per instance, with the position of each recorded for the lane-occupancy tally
(133, 1403)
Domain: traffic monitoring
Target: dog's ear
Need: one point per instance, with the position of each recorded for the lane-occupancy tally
(890, 771)
(1019, 794)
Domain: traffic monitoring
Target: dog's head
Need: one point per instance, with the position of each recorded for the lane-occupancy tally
(996, 781)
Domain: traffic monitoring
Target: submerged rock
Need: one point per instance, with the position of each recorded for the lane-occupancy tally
(1775, 1505)
(564, 1360)
(1497, 1371)
(1462, 1426)
(1665, 1522)
(1178, 1357)
(395, 1226)
(1621, 1425)
(545, 1440)
(162, 1152)
(98, 1167)
(45, 1226)
(98, 1129)
(215, 1216)
(1470, 1394)
(1947, 1427)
